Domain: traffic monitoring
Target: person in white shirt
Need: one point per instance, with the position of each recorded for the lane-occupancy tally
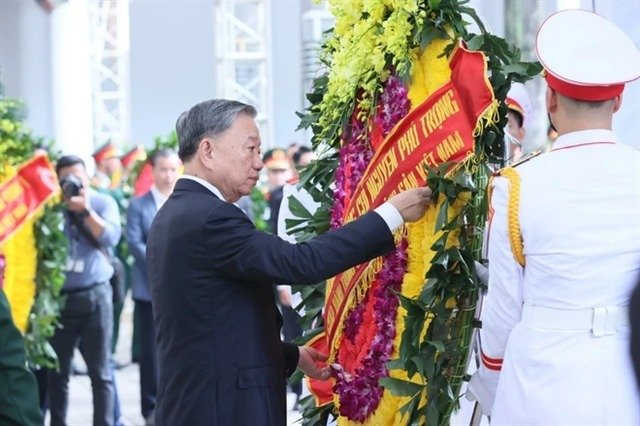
(289, 301)
(520, 115)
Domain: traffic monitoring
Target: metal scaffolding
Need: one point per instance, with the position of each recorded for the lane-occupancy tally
(109, 35)
(241, 55)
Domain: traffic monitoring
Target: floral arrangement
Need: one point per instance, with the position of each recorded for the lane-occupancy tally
(36, 253)
(370, 327)
(404, 341)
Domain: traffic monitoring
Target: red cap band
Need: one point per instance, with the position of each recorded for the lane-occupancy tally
(514, 105)
(107, 152)
(582, 92)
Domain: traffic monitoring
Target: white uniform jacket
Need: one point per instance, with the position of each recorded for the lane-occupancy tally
(549, 357)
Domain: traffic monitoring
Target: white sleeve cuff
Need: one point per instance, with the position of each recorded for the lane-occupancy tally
(390, 215)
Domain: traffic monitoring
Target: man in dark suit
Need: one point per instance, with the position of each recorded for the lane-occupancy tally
(165, 166)
(212, 272)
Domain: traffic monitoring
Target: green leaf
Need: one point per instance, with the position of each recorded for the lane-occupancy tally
(427, 35)
(400, 387)
(438, 344)
(410, 408)
(395, 364)
(443, 215)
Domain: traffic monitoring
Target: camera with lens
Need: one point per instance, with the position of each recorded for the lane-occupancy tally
(70, 186)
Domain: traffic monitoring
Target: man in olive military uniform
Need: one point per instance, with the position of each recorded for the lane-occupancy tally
(19, 402)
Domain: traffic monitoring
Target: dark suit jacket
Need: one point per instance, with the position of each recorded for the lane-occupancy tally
(211, 273)
(140, 215)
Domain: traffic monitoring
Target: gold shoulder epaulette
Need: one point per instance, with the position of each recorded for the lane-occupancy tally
(513, 210)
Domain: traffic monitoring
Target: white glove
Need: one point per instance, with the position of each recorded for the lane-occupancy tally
(483, 273)
(477, 391)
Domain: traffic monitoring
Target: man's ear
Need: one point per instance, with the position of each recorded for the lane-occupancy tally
(206, 150)
(551, 99)
(617, 103)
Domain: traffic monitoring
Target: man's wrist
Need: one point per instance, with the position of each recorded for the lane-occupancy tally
(390, 215)
(85, 213)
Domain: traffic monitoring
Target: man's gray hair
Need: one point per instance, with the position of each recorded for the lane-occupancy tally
(207, 119)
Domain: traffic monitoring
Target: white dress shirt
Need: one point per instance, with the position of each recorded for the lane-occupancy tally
(158, 197)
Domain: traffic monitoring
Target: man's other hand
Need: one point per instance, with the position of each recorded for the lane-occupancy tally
(307, 363)
(412, 203)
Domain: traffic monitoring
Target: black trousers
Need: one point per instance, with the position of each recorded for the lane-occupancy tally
(148, 359)
(87, 318)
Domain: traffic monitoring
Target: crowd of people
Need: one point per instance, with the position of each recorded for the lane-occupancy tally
(556, 328)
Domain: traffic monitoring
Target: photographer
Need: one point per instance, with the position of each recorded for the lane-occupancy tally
(92, 227)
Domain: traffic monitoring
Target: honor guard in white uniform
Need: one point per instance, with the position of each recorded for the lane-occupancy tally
(520, 115)
(564, 246)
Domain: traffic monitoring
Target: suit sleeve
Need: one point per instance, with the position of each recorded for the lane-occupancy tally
(502, 306)
(253, 255)
(19, 402)
(134, 233)
(291, 356)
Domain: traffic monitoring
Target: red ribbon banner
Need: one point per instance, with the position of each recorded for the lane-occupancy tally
(438, 130)
(23, 194)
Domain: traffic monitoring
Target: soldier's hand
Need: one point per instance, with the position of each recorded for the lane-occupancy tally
(412, 203)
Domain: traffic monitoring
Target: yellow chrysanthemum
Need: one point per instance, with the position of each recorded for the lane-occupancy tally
(7, 126)
(21, 260)
(19, 279)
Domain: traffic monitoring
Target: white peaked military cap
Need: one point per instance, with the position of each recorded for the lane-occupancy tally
(518, 100)
(585, 56)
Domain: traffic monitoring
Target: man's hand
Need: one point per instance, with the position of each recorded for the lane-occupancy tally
(412, 203)
(483, 273)
(478, 391)
(307, 363)
(284, 295)
(78, 203)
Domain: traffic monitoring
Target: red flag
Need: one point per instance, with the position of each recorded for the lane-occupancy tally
(144, 182)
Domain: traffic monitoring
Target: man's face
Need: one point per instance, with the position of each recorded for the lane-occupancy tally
(306, 158)
(112, 164)
(79, 172)
(76, 170)
(236, 159)
(165, 172)
(518, 132)
(514, 128)
(278, 177)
